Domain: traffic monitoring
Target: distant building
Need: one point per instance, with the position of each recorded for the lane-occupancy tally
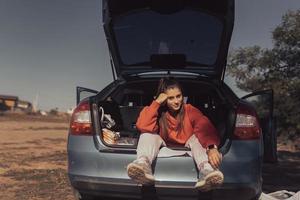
(8, 102)
(13, 103)
(24, 106)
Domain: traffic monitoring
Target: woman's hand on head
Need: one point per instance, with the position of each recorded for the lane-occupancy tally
(214, 158)
(162, 98)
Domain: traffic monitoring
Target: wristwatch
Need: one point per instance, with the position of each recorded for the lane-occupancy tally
(212, 146)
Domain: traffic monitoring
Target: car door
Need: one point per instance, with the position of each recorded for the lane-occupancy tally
(82, 93)
(263, 103)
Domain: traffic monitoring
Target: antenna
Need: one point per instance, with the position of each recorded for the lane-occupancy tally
(35, 103)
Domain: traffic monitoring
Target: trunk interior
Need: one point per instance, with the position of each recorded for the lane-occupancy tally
(124, 104)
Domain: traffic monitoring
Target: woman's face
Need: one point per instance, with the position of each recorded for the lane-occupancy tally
(175, 99)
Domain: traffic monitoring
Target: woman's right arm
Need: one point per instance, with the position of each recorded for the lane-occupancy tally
(147, 120)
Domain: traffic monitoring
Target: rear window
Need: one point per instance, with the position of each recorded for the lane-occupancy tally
(195, 34)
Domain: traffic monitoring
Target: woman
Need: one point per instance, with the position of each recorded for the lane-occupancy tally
(169, 120)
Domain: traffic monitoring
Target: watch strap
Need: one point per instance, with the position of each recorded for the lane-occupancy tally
(212, 146)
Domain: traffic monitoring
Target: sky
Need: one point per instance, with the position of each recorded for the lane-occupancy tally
(48, 47)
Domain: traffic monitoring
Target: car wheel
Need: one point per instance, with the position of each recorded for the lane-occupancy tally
(79, 196)
(88, 197)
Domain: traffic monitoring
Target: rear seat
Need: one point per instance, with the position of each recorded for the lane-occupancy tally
(131, 106)
(129, 116)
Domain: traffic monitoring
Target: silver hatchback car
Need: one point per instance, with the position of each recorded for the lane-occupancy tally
(148, 40)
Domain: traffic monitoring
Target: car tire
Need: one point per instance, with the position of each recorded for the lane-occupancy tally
(88, 197)
(79, 196)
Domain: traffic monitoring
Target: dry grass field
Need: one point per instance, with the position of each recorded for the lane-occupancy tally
(33, 160)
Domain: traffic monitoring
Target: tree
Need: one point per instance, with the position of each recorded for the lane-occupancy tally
(278, 68)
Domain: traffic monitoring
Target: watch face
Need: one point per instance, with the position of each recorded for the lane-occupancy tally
(212, 146)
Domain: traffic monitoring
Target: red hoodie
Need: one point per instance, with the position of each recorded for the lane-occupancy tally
(194, 122)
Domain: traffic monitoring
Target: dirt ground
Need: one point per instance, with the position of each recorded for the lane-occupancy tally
(33, 160)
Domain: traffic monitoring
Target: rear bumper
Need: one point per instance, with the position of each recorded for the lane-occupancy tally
(104, 174)
(125, 189)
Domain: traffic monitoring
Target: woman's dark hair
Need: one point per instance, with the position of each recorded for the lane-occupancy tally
(163, 86)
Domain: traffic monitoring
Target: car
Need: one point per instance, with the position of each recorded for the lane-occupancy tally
(148, 40)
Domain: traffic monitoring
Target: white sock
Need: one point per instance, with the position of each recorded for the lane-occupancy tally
(205, 167)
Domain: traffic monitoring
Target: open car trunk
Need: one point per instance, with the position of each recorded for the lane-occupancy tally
(120, 108)
(152, 35)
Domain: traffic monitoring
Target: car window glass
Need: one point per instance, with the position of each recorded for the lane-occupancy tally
(195, 34)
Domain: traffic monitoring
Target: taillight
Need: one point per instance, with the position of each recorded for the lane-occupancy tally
(81, 120)
(246, 126)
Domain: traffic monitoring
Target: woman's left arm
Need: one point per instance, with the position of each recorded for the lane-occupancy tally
(207, 135)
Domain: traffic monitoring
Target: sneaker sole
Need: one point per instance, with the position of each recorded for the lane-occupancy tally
(212, 181)
(136, 173)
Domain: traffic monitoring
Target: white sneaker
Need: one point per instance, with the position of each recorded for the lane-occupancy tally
(209, 180)
(140, 171)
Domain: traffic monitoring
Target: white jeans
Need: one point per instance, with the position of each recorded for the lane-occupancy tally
(149, 145)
